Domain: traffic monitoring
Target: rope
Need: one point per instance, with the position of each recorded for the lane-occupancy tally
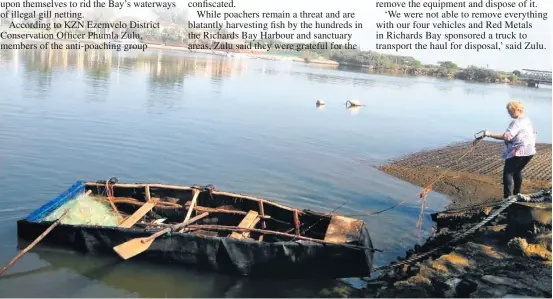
(534, 197)
(424, 192)
(429, 186)
(422, 195)
(109, 191)
(323, 217)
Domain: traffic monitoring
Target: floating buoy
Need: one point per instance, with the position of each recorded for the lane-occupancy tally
(320, 103)
(353, 103)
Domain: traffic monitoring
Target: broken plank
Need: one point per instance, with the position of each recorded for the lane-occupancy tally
(249, 221)
(343, 230)
(138, 214)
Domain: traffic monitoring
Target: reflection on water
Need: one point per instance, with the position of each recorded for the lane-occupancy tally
(161, 280)
(164, 70)
(353, 110)
(243, 125)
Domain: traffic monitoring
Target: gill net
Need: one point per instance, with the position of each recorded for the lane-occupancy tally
(85, 210)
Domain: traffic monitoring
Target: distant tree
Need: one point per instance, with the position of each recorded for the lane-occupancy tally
(448, 65)
(473, 73)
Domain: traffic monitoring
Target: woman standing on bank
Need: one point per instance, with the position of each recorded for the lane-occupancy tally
(520, 147)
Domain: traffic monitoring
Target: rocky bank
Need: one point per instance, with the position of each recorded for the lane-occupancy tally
(508, 257)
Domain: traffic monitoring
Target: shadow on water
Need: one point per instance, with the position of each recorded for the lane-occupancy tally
(151, 280)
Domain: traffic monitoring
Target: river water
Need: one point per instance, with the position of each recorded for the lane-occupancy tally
(244, 125)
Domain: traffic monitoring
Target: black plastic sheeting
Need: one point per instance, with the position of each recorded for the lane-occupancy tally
(295, 259)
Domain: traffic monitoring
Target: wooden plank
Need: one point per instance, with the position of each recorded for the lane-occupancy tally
(343, 229)
(191, 207)
(262, 215)
(249, 221)
(138, 214)
(297, 223)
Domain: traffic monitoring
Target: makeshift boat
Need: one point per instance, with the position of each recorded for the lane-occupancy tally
(205, 228)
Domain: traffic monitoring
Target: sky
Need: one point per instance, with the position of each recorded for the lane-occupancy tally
(368, 14)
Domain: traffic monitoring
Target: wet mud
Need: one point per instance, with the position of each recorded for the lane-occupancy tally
(508, 257)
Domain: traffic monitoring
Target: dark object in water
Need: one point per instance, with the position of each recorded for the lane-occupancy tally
(242, 235)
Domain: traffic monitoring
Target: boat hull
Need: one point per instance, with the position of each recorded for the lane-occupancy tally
(290, 259)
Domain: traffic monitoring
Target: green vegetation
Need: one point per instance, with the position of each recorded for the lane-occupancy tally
(379, 62)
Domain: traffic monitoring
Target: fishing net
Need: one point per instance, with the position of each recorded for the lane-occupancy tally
(85, 210)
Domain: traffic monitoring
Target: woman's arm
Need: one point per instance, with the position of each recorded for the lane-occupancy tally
(511, 131)
(495, 136)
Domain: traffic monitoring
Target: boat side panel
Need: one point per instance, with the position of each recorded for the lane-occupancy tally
(366, 242)
(227, 255)
(47, 208)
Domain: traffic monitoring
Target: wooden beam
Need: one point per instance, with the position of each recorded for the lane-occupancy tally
(254, 199)
(119, 185)
(132, 201)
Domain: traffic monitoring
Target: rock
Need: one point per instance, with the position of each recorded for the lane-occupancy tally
(523, 216)
(520, 246)
(452, 287)
(538, 251)
(452, 263)
(499, 280)
(404, 292)
(465, 288)
(517, 245)
(545, 240)
(487, 291)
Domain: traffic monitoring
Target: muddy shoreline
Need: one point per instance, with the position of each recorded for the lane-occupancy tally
(509, 256)
(474, 178)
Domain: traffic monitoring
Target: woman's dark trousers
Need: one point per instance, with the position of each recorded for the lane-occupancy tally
(512, 175)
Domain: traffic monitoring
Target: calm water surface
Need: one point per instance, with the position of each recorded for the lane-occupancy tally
(243, 125)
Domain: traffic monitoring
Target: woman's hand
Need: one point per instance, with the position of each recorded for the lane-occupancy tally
(486, 133)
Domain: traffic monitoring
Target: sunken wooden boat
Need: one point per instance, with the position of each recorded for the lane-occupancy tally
(224, 232)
